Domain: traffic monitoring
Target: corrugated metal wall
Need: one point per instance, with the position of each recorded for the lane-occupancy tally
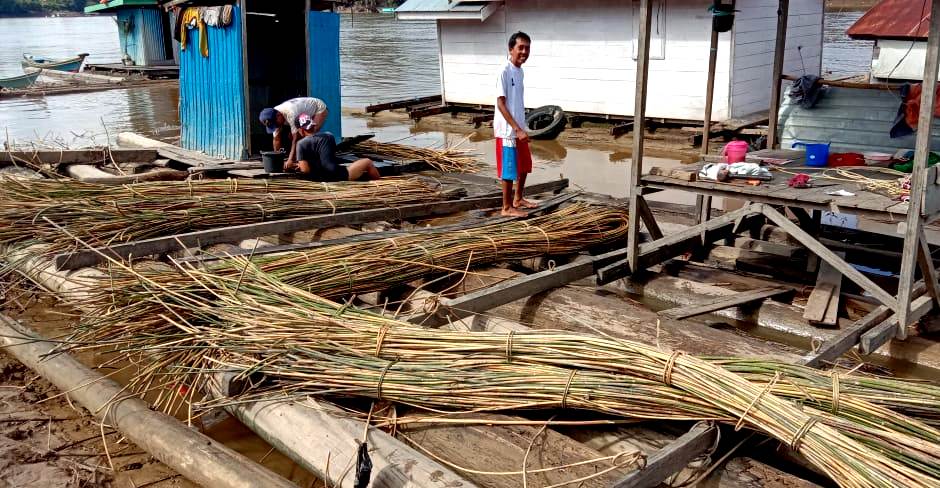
(324, 68)
(141, 34)
(851, 119)
(212, 93)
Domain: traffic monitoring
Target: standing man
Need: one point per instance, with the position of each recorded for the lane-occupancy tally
(277, 120)
(513, 158)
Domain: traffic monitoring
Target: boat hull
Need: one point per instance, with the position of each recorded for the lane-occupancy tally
(71, 65)
(17, 82)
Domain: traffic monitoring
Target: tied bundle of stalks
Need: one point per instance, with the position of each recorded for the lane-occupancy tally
(450, 160)
(103, 215)
(306, 345)
(357, 267)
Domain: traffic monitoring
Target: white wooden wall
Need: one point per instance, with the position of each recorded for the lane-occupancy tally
(582, 57)
(754, 34)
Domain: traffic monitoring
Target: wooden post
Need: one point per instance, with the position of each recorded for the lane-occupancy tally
(783, 13)
(710, 88)
(919, 177)
(639, 128)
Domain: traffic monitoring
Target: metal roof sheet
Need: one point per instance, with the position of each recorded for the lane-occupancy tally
(894, 19)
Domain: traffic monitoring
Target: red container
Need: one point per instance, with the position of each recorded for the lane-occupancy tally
(846, 159)
(735, 151)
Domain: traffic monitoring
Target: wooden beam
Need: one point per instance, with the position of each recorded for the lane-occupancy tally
(823, 304)
(372, 236)
(660, 250)
(878, 336)
(919, 184)
(187, 157)
(515, 289)
(420, 113)
(672, 458)
(710, 85)
(348, 142)
(829, 256)
(723, 302)
(648, 219)
(82, 156)
(162, 245)
(372, 109)
(639, 120)
(925, 261)
(846, 339)
(783, 14)
(621, 128)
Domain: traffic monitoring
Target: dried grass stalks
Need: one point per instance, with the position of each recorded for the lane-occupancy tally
(102, 214)
(450, 160)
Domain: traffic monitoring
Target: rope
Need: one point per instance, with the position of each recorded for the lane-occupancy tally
(798, 438)
(768, 387)
(509, 346)
(378, 386)
(380, 339)
(428, 253)
(548, 242)
(564, 396)
(835, 393)
(670, 364)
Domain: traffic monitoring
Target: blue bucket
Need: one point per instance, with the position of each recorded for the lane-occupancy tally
(817, 155)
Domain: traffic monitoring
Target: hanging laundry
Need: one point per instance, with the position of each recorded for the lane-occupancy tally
(212, 16)
(909, 112)
(807, 90)
(228, 12)
(192, 19)
(178, 24)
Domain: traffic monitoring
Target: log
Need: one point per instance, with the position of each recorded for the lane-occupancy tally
(193, 455)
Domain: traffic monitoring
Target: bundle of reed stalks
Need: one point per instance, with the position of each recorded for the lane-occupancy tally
(302, 344)
(359, 267)
(102, 214)
(450, 160)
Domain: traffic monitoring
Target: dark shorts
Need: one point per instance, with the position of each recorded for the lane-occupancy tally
(319, 151)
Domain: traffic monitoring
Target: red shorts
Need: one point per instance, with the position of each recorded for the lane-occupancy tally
(511, 162)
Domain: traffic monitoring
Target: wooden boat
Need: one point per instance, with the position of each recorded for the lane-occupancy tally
(23, 81)
(73, 65)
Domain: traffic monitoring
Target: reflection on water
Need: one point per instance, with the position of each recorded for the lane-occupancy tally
(85, 118)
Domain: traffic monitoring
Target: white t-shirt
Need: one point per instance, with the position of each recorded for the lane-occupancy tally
(293, 108)
(509, 84)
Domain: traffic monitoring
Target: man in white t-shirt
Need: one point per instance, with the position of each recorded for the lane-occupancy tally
(276, 120)
(513, 157)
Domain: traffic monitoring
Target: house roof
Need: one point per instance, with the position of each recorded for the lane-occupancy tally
(447, 9)
(894, 19)
(116, 4)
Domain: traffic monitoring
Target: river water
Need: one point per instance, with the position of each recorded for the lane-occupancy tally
(382, 60)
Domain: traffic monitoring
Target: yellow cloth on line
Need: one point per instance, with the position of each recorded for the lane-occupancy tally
(194, 15)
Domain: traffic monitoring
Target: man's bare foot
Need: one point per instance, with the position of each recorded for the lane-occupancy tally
(525, 204)
(513, 212)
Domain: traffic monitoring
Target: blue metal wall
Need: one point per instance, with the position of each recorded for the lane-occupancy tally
(212, 93)
(324, 67)
(141, 33)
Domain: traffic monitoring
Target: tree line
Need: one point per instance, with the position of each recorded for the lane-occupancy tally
(25, 7)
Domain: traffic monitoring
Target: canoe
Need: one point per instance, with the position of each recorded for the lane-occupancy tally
(73, 65)
(387, 10)
(23, 81)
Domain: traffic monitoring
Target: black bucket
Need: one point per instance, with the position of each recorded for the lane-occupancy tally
(273, 161)
(722, 18)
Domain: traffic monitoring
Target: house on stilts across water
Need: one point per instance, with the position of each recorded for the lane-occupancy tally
(584, 53)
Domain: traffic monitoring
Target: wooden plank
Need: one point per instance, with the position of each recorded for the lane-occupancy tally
(162, 245)
(648, 219)
(379, 107)
(878, 336)
(83, 156)
(767, 247)
(823, 304)
(621, 129)
(515, 289)
(675, 173)
(656, 252)
(187, 157)
(925, 261)
(723, 302)
(371, 236)
(672, 458)
(780, 46)
(419, 114)
(919, 186)
(838, 345)
(239, 166)
(827, 255)
(349, 142)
